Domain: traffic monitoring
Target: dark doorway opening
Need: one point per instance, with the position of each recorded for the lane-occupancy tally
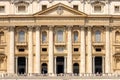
(98, 64)
(60, 65)
(21, 65)
(44, 68)
(76, 68)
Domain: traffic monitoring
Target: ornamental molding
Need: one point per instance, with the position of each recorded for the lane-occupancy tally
(21, 1)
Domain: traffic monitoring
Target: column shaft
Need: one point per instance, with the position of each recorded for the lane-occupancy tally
(50, 67)
(93, 64)
(82, 62)
(65, 66)
(30, 50)
(12, 51)
(107, 55)
(89, 50)
(16, 60)
(37, 69)
(69, 54)
(26, 60)
(55, 65)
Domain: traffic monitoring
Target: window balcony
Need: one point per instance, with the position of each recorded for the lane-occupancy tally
(2, 43)
(21, 44)
(62, 43)
(116, 43)
(76, 43)
(98, 43)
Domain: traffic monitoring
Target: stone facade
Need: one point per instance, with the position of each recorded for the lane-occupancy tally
(52, 36)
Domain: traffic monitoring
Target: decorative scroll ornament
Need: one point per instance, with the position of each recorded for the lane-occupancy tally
(59, 10)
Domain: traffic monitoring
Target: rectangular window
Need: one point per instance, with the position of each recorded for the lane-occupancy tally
(44, 49)
(21, 9)
(21, 50)
(117, 8)
(76, 49)
(44, 7)
(98, 49)
(75, 7)
(97, 8)
(2, 9)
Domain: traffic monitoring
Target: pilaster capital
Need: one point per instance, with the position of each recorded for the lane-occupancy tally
(30, 28)
(89, 28)
(11, 28)
(107, 28)
(69, 27)
(51, 27)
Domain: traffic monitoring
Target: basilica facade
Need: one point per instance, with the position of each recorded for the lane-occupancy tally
(59, 36)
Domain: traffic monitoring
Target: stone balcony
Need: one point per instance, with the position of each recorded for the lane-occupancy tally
(60, 43)
(98, 43)
(2, 43)
(19, 44)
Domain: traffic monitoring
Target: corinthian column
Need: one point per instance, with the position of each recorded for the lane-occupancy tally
(37, 68)
(50, 65)
(107, 55)
(12, 51)
(89, 50)
(82, 62)
(30, 51)
(69, 54)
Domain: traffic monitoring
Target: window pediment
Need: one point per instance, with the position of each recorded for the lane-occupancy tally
(21, 2)
(94, 3)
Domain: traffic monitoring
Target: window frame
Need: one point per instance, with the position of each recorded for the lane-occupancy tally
(98, 37)
(22, 4)
(118, 9)
(3, 8)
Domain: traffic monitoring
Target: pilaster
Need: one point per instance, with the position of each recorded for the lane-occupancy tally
(12, 51)
(82, 53)
(37, 65)
(69, 48)
(89, 50)
(30, 50)
(50, 52)
(107, 55)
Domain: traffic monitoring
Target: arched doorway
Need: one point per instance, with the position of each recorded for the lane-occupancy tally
(98, 64)
(21, 63)
(76, 68)
(60, 65)
(44, 68)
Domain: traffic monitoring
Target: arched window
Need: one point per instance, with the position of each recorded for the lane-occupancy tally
(76, 68)
(97, 36)
(1, 37)
(75, 36)
(44, 36)
(117, 36)
(21, 36)
(44, 68)
(60, 36)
